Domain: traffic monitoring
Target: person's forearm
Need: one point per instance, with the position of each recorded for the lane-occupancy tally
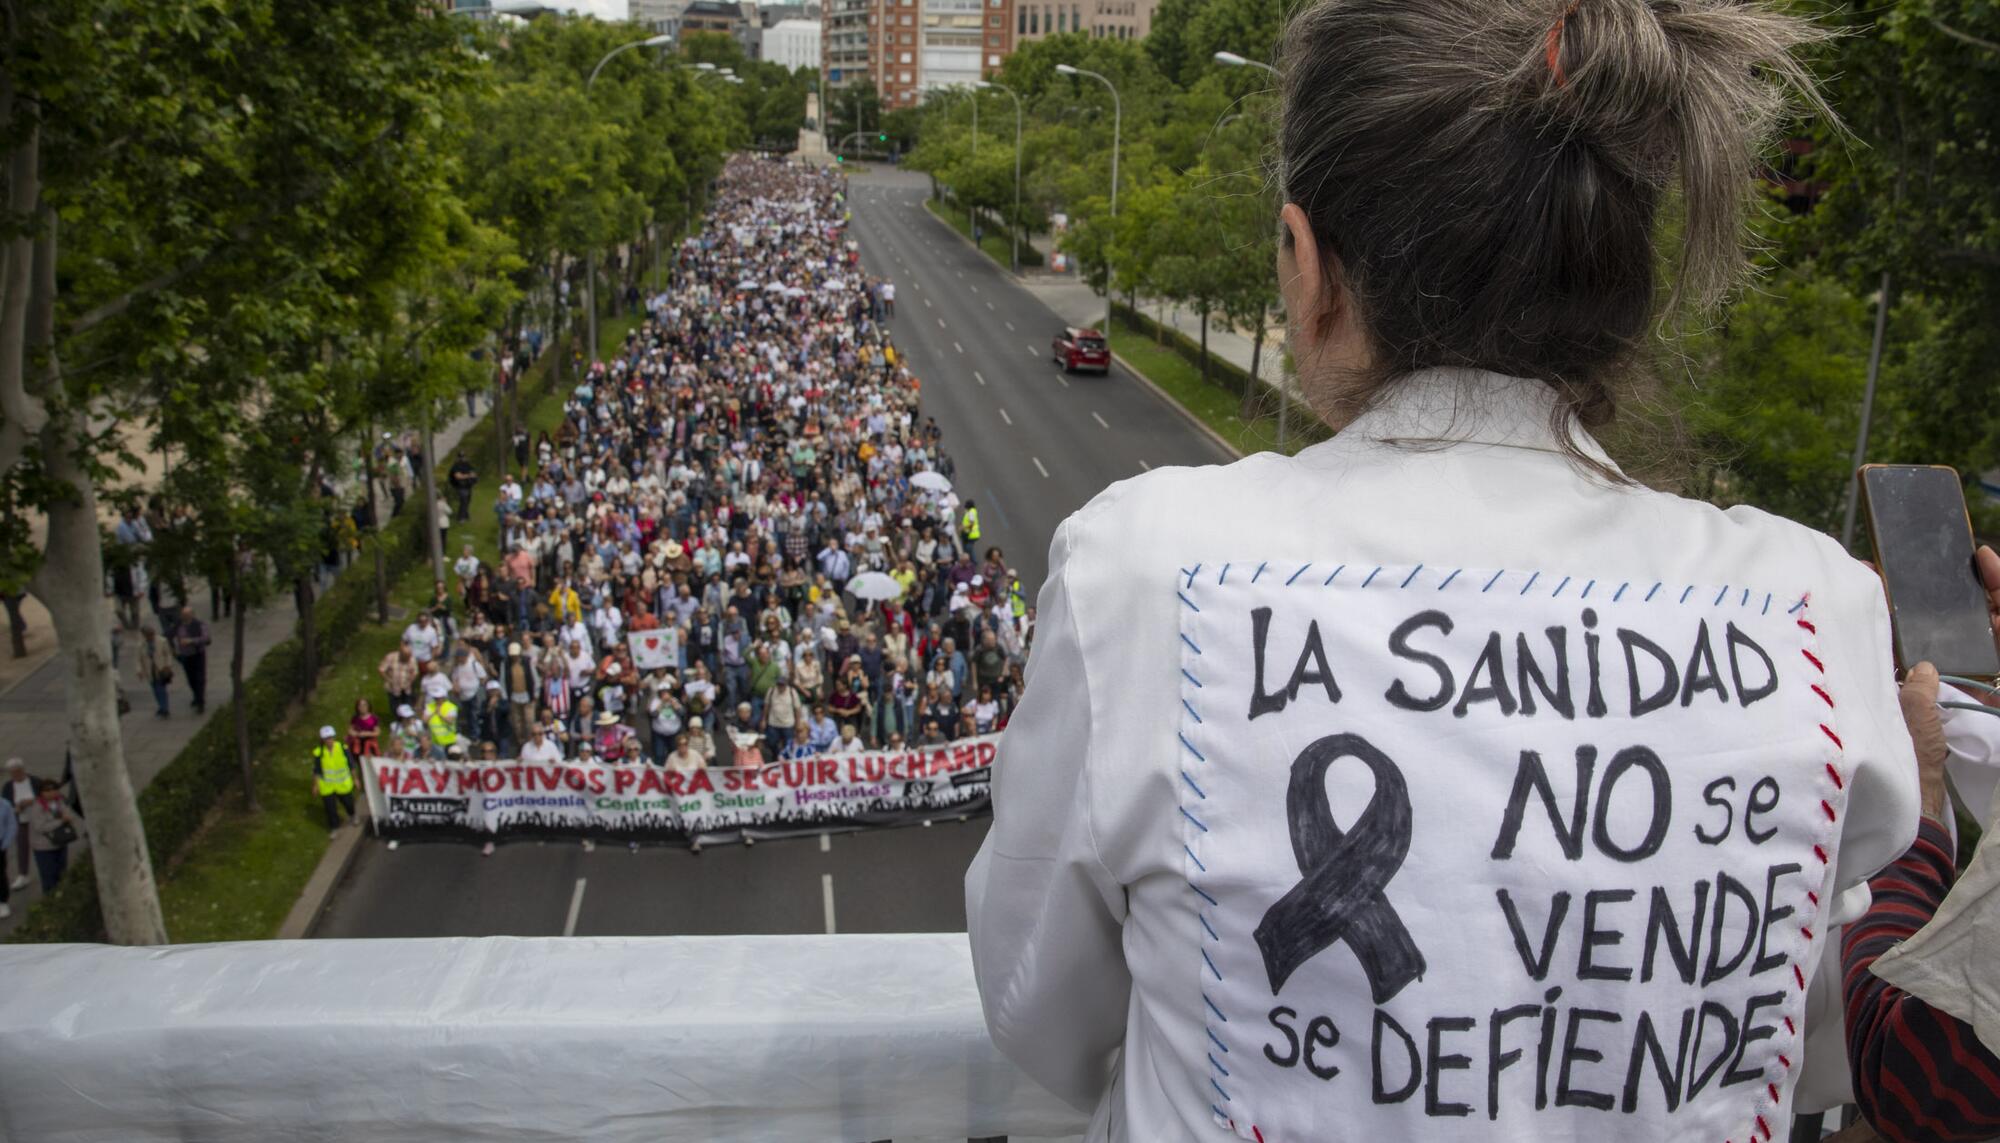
(1919, 1073)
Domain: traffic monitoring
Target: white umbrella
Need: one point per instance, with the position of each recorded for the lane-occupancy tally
(774, 288)
(794, 292)
(874, 585)
(747, 284)
(832, 284)
(931, 482)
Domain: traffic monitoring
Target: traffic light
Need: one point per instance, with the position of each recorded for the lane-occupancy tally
(839, 158)
(881, 138)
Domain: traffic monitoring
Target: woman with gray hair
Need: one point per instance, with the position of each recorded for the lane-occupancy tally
(1441, 782)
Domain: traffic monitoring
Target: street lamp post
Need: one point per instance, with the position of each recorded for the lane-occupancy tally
(1014, 231)
(1117, 126)
(590, 254)
(1231, 59)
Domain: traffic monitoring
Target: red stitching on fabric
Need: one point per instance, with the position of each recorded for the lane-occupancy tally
(1813, 659)
(1799, 975)
(1828, 807)
(1807, 930)
(1785, 1060)
(1808, 626)
(1259, 1134)
(1839, 783)
(1773, 1089)
(1830, 734)
(1813, 897)
(1819, 851)
(1821, 692)
(1765, 1128)
(1791, 1029)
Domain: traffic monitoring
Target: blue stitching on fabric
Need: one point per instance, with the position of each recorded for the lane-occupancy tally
(1651, 594)
(1296, 575)
(1197, 822)
(1191, 710)
(1218, 1087)
(1221, 1114)
(1686, 593)
(1218, 1065)
(1218, 1040)
(1795, 607)
(1191, 750)
(1190, 643)
(1189, 602)
(1190, 853)
(1210, 900)
(1211, 1004)
(1745, 601)
(1449, 578)
(1197, 789)
(1494, 580)
(1259, 572)
(1767, 604)
(1559, 588)
(1587, 587)
(1191, 678)
(1371, 576)
(1412, 575)
(1532, 577)
(1620, 593)
(1191, 574)
(1718, 595)
(1224, 577)
(1211, 966)
(1211, 931)
(1334, 576)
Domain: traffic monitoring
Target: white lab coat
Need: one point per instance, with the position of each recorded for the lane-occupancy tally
(1101, 891)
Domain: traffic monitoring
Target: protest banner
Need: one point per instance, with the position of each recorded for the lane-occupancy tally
(635, 801)
(655, 650)
(1533, 849)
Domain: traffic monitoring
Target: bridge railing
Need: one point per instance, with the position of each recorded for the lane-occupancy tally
(837, 1038)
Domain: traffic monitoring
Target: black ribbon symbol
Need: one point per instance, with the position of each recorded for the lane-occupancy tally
(1342, 874)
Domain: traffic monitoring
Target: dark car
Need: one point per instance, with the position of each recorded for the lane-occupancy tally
(1075, 349)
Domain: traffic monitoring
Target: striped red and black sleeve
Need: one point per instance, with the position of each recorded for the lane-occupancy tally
(1920, 1075)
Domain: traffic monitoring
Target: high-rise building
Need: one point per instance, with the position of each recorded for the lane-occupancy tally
(952, 43)
(792, 43)
(873, 41)
(1101, 19)
(659, 15)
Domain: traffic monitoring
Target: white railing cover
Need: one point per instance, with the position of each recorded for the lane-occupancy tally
(827, 1039)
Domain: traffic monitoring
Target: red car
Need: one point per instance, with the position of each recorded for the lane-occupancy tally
(1075, 349)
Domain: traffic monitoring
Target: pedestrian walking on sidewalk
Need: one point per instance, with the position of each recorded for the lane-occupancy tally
(191, 639)
(333, 780)
(17, 790)
(156, 664)
(52, 828)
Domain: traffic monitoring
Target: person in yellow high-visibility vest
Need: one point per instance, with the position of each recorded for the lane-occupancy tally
(968, 525)
(441, 722)
(333, 780)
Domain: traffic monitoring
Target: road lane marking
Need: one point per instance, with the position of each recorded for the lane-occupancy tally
(927, 303)
(975, 289)
(941, 324)
(1063, 379)
(826, 843)
(1145, 467)
(989, 305)
(960, 273)
(1039, 468)
(977, 377)
(958, 347)
(1100, 421)
(1010, 327)
(826, 900)
(575, 907)
(1005, 417)
(1033, 350)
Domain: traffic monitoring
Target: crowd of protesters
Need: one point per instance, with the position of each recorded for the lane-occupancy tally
(716, 488)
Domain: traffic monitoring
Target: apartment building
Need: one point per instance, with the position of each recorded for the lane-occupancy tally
(1100, 19)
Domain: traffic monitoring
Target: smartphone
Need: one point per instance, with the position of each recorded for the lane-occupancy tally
(1923, 547)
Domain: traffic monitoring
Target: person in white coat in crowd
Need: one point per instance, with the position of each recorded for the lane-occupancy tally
(1441, 782)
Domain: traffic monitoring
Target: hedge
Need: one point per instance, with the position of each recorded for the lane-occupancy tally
(1226, 374)
(174, 804)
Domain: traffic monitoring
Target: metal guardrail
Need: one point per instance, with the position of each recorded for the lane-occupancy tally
(850, 1038)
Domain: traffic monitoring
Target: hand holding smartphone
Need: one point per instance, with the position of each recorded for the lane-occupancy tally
(1939, 608)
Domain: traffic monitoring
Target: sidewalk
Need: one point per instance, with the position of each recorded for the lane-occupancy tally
(34, 722)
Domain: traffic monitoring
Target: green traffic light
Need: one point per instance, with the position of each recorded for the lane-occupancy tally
(881, 138)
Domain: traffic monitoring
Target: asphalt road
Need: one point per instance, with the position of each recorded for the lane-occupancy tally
(1031, 446)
